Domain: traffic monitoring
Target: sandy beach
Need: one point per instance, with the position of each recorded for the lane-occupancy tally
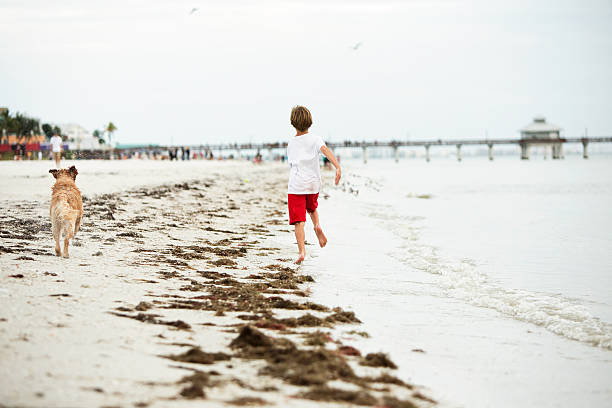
(180, 291)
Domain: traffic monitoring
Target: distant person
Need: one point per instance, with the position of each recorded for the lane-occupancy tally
(326, 164)
(305, 177)
(56, 148)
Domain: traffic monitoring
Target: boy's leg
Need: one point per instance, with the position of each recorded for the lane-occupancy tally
(314, 216)
(311, 206)
(297, 217)
(299, 236)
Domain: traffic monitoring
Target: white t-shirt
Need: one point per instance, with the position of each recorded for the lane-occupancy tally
(56, 142)
(303, 157)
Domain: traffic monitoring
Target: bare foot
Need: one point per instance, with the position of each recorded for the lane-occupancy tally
(322, 239)
(300, 258)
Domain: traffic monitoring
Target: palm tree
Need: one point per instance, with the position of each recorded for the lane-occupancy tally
(47, 130)
(6, 124)
(24, 126)
(99, 135)
(110, 129)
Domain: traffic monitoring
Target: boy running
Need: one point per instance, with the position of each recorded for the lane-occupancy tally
(305, 177)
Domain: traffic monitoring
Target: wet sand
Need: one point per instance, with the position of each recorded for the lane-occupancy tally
(180, 291)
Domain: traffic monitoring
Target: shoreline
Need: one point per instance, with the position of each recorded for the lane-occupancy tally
(182, 290)
(472, 352)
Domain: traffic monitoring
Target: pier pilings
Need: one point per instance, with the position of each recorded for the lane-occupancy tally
(524, 151)
(557, 151)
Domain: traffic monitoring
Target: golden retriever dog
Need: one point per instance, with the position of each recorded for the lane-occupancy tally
(66, 207)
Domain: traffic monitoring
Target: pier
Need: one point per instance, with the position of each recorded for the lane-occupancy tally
(525, 145)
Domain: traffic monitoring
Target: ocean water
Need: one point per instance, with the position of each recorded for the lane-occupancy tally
(501, 272)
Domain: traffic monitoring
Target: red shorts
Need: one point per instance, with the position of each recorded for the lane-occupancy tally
(299, 204)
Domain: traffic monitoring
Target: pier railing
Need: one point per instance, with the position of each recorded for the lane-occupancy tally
(555, 145)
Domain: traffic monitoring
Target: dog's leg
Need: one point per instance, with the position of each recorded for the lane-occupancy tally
(68, 233)
(56, 236)
(77, 225)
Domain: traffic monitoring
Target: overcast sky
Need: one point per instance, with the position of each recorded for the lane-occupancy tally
(232, 70)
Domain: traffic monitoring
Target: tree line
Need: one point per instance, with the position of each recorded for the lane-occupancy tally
(25, 127)
(20, 125)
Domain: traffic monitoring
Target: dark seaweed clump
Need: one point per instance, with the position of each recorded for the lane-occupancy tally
(378, 360)
(196, 355)
(286, 361)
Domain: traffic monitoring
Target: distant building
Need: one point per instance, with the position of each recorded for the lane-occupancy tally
(539, 131)
(10, 139)
(79, 138)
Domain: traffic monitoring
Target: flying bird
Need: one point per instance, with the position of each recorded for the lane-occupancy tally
(356, 46)
(193, 10)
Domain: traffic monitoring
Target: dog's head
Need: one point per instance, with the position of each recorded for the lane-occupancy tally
(71, 172)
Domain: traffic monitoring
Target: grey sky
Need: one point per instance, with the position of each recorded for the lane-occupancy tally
(233, 70)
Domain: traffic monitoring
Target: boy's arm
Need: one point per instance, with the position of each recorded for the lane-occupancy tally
(332, 159)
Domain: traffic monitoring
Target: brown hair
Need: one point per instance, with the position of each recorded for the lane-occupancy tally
(301, 119)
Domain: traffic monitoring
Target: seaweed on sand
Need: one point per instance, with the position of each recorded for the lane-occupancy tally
(247, 401)
(278, 267)
(196, 355)
(197, 381)
(286, 361)
(153, 319)
(143, 306)
(193, 391)
(224, 262)
(306, 320)
(24, 229)
(317, 338)
(325, 393)
(213, 275)
(385, 378)
(349, 351)
(287, 279)
(378, 360)
(199, 252)
(342, 316)
(393, 402)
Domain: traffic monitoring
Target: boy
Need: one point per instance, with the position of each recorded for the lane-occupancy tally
(305, 177)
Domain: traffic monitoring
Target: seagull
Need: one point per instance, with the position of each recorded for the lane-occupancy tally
(356, 46)
(193, 10)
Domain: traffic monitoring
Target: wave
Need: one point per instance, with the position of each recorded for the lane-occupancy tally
(463, 279)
